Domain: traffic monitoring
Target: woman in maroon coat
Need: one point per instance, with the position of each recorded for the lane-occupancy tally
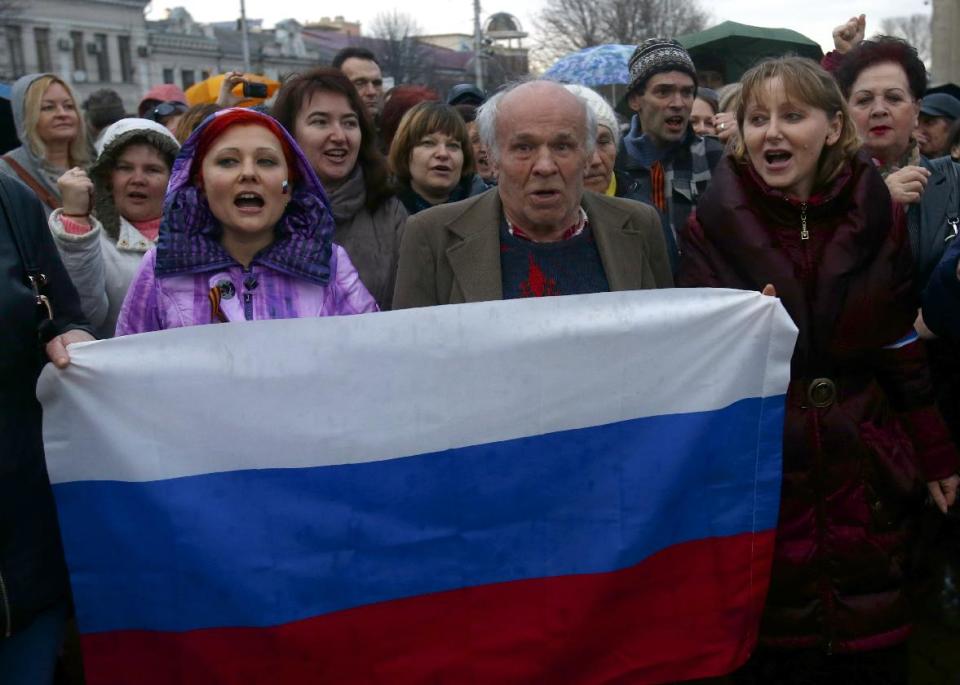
(796, 212)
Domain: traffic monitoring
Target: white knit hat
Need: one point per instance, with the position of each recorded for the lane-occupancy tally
(602, 110)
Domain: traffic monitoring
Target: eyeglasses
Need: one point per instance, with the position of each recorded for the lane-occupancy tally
(166, 110)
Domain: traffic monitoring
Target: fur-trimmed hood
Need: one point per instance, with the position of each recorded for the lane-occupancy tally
(114, 139)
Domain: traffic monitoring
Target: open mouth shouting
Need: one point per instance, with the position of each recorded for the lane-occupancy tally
(675, 124)
(545, 197)
(249, 202)
(777, 160)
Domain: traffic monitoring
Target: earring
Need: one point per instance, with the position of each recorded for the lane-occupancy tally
(284, 187)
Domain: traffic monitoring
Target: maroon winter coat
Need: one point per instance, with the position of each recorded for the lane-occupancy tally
(861, 435)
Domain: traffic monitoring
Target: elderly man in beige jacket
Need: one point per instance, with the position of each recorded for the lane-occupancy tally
(538, 232)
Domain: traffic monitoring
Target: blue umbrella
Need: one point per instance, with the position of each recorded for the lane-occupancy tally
(600, 65)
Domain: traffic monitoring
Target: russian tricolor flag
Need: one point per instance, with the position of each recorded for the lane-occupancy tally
(564, 490)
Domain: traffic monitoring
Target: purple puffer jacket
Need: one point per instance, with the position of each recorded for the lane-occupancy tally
(189, 279)
(154, 304)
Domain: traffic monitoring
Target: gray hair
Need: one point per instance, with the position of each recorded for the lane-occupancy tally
(487, 119)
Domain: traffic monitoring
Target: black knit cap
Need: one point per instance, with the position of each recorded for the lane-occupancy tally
(655, 56)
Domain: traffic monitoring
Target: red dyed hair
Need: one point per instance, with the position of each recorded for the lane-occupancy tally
(399, 100)
(238, 116)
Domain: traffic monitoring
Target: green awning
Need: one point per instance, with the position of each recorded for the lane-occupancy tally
(731, 48)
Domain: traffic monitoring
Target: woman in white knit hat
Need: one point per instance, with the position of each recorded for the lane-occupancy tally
(599, 176)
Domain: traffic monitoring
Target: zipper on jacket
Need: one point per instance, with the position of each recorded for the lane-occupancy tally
(248, 306)
(7, 627)
(804, 233)
(250, 283)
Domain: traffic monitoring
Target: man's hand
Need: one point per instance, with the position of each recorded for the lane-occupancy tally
(849, 35)
(226, 98)
(906, 185)
(57, 348)
(769, 290)
(944, 491)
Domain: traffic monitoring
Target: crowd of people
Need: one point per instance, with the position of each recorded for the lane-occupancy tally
(830, 186)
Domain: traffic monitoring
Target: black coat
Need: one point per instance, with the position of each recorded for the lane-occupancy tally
(32, 571)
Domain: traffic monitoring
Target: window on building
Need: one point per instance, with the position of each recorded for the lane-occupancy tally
(42, 38)
(79, 57)
(126, 59)
(187, 78)
(168, 75)
(15, 48)
(103, 57)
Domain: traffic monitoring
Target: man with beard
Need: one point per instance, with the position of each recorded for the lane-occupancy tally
(661, 160)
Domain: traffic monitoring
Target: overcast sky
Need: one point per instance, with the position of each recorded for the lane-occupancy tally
(813, 18)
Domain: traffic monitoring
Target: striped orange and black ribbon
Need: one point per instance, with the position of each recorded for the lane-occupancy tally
(216, 314)
(657, 186)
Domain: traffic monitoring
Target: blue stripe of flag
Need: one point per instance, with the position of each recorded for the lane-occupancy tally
(266, 547)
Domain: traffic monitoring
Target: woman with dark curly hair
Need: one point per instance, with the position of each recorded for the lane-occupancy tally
(883, 80)
(326, 116)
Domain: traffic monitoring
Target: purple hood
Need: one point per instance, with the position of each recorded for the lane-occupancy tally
(189, 239)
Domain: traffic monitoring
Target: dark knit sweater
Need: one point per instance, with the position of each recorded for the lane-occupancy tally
(567, 267)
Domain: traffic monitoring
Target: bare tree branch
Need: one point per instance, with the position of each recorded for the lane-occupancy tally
(402, 55)
(566, 26)
(569, 25)
(915, 29)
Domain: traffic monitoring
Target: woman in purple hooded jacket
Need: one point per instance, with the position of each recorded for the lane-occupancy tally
(246, 234)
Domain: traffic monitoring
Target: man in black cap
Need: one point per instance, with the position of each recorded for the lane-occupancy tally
(938, 111)
(466, 94)
(661, 160)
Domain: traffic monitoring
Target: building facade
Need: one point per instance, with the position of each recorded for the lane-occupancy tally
(95, 44)
(92, 44)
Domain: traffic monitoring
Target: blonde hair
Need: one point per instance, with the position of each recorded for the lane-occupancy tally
(803, 81)
(79, 151)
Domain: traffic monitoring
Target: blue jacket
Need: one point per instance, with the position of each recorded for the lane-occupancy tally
(688, 166)
(933, 221)
(941, 297)
(32, 572)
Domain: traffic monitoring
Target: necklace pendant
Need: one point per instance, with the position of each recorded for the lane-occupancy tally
(804, 233)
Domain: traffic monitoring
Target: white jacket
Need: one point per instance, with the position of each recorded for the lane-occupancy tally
(100, 269)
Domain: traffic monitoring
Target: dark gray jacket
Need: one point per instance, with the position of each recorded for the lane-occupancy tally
(32, 572)
(371, 239)
(934, 220)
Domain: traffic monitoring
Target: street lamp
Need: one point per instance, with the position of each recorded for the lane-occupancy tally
(477, 46)
(243, 36)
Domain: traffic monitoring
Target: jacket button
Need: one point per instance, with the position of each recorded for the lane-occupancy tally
(822, 392)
